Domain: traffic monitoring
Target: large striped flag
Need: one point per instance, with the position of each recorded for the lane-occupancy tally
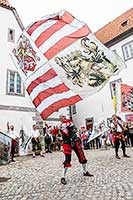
(61, 62)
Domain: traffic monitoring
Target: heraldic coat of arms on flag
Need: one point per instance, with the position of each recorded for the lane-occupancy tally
(88, 64)
(62, 62)
(26, 55)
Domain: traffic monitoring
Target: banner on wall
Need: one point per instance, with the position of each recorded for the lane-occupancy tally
(129, 117)
(115, 94)
(126, 98)
(5, 146)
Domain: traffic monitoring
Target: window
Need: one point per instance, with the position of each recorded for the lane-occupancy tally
(125, 23)
(114, 50)
(11, 35)
(128, 50)
(15, 86)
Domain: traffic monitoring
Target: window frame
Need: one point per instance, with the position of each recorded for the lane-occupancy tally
(9, 71)
(124, 51)
(114, 50)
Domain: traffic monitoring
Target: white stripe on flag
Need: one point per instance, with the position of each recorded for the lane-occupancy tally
(42, 28)
(66, 30)
(54, 98)
(44, 86)
(39, 72)
(50, 16)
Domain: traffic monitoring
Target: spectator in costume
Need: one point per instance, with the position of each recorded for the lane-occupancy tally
(35, 139)
(118, 135)
(84, 137)
(126, 133)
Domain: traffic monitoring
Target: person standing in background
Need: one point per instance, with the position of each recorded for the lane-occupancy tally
(118, 135)
(130, 126)
(13, 134)
(84, 137)
(35, 139)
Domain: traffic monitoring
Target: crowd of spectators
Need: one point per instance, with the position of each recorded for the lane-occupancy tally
(53, 139)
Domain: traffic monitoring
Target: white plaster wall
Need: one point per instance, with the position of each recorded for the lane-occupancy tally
(18, 119)
(14, 117)
(6, 62)
(127, 74)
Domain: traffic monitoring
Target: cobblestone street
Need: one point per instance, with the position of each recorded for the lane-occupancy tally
(39, 178)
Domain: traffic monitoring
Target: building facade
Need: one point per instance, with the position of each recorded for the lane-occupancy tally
(15, 104)
(118, 36)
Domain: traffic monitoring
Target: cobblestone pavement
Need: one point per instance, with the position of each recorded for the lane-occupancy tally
(39, 178)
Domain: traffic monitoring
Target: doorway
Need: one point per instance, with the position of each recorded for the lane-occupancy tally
(89, 123)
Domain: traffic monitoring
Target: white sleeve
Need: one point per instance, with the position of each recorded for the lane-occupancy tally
(112, 125)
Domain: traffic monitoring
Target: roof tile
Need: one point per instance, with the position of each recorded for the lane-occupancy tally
(116, 27)
(5, 2)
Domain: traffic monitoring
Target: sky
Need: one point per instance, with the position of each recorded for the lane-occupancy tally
(96, 13)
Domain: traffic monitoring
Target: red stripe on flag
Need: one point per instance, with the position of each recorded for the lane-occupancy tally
(60, 104)
(51, 30)
(45, 77)
(66, 41)
(48, 92)
(33, 27)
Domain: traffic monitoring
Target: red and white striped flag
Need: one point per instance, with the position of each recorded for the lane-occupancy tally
(61, 62)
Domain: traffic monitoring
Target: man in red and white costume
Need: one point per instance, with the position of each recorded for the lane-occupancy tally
(71, 142)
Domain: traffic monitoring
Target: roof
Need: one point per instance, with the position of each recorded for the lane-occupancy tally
(116, 27)
(5, 3)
